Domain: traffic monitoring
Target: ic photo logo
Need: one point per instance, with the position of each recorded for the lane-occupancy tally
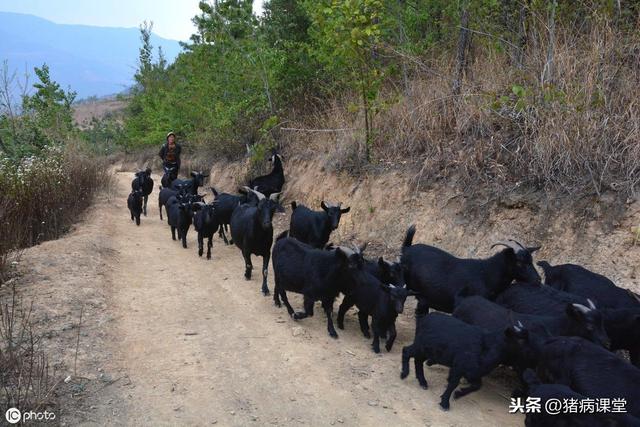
(13, 415)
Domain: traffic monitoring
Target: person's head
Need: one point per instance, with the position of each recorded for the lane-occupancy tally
(171, 138)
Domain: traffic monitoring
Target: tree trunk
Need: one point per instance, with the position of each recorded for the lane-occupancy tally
(522, 35)
(547, 71)
(463, 44)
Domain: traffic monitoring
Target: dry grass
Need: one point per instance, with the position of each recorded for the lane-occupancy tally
(577, 135)
(43, 196)
(26, 380)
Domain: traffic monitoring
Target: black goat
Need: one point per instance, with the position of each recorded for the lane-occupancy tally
(467, 350)
(134, 203)
(166, 194)
(319, 275)
(388, 273)
(180, 215)
(190, 185)
(560, 392)
(170, 174)
(588, 369)
(438, 276)
(580, 281)
(144, 182)
(252, 232)
(274, 181)
(383, 302)
(206, 223)
(315, 227)
(225, 203)
(577, 319)
(621, 324)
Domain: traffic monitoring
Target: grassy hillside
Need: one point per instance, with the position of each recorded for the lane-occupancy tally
(496, 96)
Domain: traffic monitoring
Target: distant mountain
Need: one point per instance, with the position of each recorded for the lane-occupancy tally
(91, 60)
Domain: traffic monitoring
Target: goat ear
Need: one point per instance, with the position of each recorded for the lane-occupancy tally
(193, 174)
(533, 249)
(324, 206)
(345, 210)
(381, 262)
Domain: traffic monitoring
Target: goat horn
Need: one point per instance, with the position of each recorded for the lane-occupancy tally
(518, 243)
(274, 197)
(592, 306)
(346, 250)
(257, 193)
(520, 325)
(634, 295)
(507, 244)
(581, 308)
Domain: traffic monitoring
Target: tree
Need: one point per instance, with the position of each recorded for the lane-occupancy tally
(347, 34)
(49, 109)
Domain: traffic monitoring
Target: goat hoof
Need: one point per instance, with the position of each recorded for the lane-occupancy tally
(333, 335)
(444, 406)
(404, 375)
(299, 315)
(341, 326)
(376, 350)
(265, 293)
(366, 334)
(277, 304)
(388, 347)
(424, 386)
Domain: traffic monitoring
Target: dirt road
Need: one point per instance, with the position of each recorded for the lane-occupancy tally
(169, 338)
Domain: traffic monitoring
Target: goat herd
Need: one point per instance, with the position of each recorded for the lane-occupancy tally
(559, 337)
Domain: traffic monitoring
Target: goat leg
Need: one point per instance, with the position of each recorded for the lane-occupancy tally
(209, 246)
(474, 385)
(265, 272)
(346, 304)
(407, 353)
(248, 265)
(327, 305)
(391, 337)
(453, 380)
(200, 244)
(363, 318)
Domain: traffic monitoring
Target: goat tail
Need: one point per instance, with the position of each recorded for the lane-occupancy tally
(408, 238)
(294, 205)
(283, 235)
(214, 191)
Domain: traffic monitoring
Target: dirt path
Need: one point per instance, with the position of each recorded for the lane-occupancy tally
(169, 338)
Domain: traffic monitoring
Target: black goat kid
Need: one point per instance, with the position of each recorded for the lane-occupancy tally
(143, 182)
(206, 223)
(134, 203)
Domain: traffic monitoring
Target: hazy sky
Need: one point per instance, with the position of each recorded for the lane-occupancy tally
(171, 18)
